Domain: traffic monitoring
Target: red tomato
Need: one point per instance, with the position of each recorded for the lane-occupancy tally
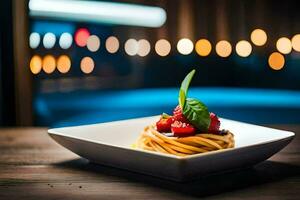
(164, 124)
(182, 129)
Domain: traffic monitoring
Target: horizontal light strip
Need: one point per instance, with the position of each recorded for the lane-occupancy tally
(100, 12)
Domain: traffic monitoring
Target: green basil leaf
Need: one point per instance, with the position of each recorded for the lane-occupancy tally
(184, 88)
(181, 98)
(197, 114)
(165, 116)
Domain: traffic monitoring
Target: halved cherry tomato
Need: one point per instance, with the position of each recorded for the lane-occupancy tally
(164, 124)
(182, 129)
(214, 123)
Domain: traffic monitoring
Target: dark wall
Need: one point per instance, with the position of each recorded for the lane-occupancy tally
(7, 103)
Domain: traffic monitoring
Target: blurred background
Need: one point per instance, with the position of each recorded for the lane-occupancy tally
(72, 62)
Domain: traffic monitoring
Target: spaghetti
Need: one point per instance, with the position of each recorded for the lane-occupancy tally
(153, 140)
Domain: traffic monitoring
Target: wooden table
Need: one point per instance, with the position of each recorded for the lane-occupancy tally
(32, 166)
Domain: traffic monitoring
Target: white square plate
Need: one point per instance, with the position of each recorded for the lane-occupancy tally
(110, 144)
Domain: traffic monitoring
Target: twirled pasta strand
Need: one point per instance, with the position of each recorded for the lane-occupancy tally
(152, 140)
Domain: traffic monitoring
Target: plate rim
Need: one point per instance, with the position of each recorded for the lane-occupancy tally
(54, 132)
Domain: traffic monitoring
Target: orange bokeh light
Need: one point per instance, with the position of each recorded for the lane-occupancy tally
(112, 44)
(259, 37)
(296, 42)
(49, 64)
(36, 64)
(63, 64)
(276, 61)
(87, 65)
(203, 47)
(223, 48)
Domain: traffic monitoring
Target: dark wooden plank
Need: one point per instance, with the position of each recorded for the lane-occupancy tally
(32, 166)
(30, 146)
(23, 77)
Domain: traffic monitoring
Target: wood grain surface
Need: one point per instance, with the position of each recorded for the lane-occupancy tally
(32, 166)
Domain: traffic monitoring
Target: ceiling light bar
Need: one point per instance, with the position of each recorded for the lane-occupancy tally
(99, 12)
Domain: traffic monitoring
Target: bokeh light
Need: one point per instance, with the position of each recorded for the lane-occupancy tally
(276, 61)
(35, 64)
(87, 65)
(144, 47)
(162, 47)
(63, 64)
(34, 40)
(259, 37)
(284, 45)
(223, 48)
(243, 48)
(65, 40)
(112, 44)
(81, 37)
(49, 40)
(203, 47)
(49, 64)
(131, 47)
(296, 42)
(93, 43)
(185, 46)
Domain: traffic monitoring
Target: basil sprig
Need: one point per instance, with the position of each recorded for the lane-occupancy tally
(165, 116)
(194, 110)
(184, 88)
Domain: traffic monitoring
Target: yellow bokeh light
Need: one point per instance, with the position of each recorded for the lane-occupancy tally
(63, 64)
(223, 48)
(144, 47)
(243, 48)
(162, 47)
(259, 37)
(203, 47)
(49, 64)
(296, 42)
(87, 65)
(112, 44)
(284, 45)
(35, 64)
(276, 61)
(185, 46)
